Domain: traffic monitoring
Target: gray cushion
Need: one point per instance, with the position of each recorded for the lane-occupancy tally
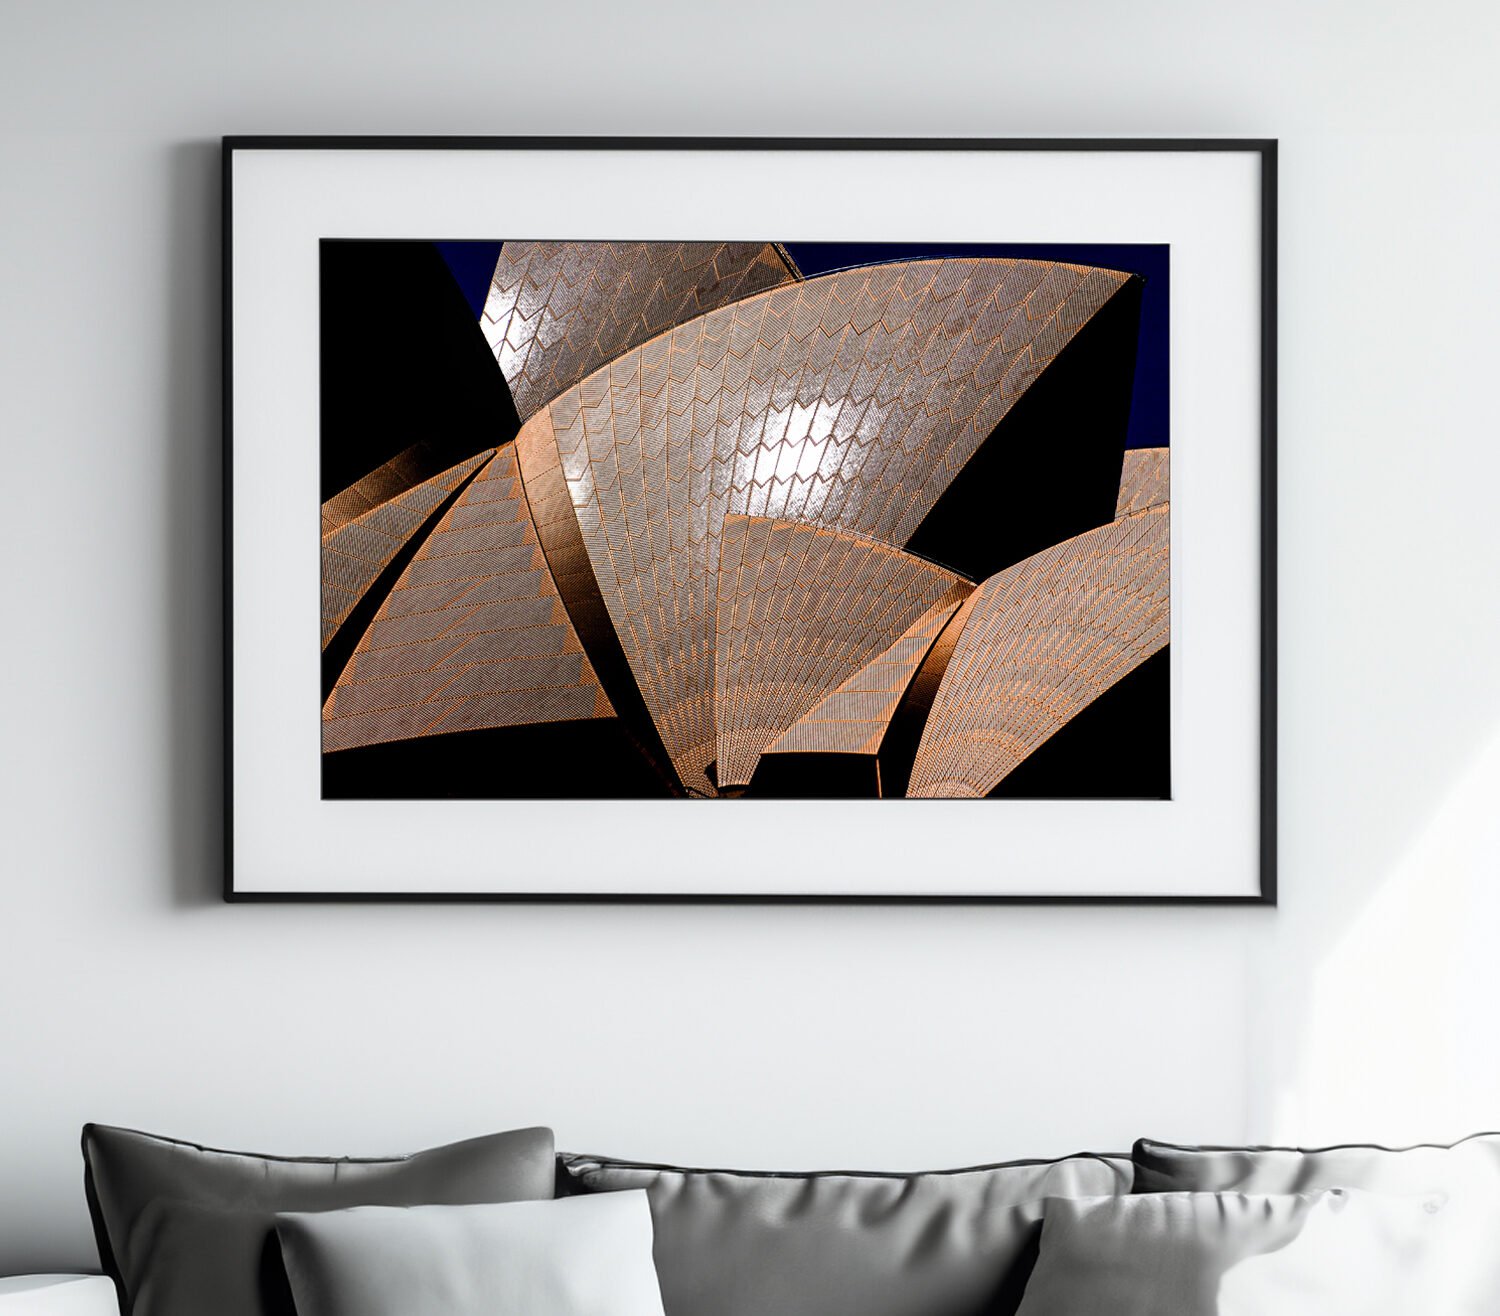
(188, 1230)
(585, 1256)
(1240, 1254)
(1472, 1165)
(950, 1243)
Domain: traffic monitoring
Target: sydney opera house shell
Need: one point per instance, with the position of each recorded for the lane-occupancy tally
(749, 533)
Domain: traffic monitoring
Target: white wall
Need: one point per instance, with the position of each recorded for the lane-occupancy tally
(890, 1037)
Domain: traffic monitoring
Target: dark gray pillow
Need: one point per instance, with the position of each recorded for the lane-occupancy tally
(949, 1243)
(186, 1230)
(1472, 1165)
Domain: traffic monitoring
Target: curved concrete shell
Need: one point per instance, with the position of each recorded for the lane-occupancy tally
(389, 480)
(1145, 479)
(849, 402)
(557, 311)
(799, 611)
(473, 635)
(1042, 640)
(370, 522)
(855, 717)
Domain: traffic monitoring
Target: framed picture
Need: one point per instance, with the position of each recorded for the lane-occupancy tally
(690, 519)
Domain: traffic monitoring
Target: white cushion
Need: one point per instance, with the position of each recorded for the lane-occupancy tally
(58, 1295)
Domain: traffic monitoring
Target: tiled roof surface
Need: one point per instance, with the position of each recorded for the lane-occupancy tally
(1145, 479)
(370, 522)
(799, 611)
(855, 717)
(1042, 640)
(473, 635)
(557, 311)
(849, 401)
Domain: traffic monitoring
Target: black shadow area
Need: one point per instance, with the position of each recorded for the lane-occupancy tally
(1118, 748)
(815, 777)
(403, 362)
(1051, 468)
(589, 760)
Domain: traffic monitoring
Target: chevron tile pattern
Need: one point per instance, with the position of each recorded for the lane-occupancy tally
(1042, 640)
(849, 402)
(473, 635)
(799, 611)
(557, 311)
(1145, 480)
(369, 523)
(855, 717)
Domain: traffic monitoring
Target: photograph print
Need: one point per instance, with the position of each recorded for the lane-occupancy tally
(744, 519)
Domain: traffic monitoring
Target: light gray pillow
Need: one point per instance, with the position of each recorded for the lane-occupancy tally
(1332, 1253)
(58, 1295)
(582, 1256)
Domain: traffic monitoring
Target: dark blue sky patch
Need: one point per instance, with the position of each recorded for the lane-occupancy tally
(472, 265)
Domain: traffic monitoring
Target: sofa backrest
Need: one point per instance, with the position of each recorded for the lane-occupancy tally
(944, 1243)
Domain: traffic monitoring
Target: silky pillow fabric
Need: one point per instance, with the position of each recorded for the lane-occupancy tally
(583, 1256)
(188, 1230)
(955, 1243)
(57, 1295)
(1470, 1168)
(1334, 1253)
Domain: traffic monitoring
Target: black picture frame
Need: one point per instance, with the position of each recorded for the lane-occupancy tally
(1266, 149)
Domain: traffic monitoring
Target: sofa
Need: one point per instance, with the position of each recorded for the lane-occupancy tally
(506, 1224)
